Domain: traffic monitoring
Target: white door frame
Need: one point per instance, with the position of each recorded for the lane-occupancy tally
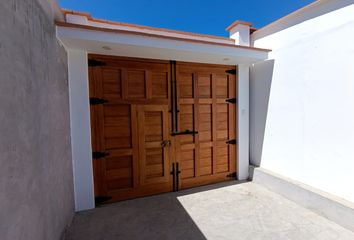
(81, 128)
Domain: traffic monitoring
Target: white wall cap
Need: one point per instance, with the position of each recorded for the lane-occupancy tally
(76, 19)
(240, 31)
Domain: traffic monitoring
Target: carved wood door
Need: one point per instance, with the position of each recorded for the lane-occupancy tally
(129, 100)
(159, 126)
(207, 113)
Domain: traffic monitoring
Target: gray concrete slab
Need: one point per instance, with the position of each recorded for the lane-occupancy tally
(221, 211)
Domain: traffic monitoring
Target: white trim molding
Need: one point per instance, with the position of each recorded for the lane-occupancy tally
(80, 130)
(243, 121)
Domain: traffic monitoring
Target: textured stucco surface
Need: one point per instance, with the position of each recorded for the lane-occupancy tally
(36, 189)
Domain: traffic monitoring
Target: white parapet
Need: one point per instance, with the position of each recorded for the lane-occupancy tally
(240, 32)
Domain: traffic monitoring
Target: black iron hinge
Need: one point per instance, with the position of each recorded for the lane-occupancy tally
(96, 155)
(232, 71)
(96, 101)
(232, 141)
(101, 199)
(96, 63)
(231, 100)
(232, 175)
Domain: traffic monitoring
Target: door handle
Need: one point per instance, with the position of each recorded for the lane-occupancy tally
(165, 143)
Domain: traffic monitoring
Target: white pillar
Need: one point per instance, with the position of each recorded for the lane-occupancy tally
(80, 130)
(240, 31)
(243, 122)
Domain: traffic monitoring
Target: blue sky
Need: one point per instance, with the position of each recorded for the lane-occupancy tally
(199, 16)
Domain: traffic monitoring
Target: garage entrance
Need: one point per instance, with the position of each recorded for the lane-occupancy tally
(160, 126)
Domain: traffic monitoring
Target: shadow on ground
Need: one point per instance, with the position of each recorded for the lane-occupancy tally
(157, 217)
(228, 210)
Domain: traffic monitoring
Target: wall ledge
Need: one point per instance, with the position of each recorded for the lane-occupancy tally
(329, 206)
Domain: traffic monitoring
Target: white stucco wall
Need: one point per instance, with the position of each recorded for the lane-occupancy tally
(260, 82)
(309, 119)
(80, 130)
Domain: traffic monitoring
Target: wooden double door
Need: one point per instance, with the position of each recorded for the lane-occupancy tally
(160, 126)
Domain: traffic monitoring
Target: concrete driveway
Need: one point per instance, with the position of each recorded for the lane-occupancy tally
(222, 211)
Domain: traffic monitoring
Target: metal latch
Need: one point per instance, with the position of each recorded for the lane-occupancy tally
(186, 132)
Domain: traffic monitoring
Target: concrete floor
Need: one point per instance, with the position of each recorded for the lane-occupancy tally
(221, 211)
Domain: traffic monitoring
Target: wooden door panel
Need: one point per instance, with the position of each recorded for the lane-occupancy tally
(187, 160)
(134, 81)
(117, 127)
(202, 91)
(185, 85)
(205, 123)
(206, 160)
(112, 82)
(153, 156)
(118, 171)
(129, 128)
(134, 122)
(204, 85)
(160, 85)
